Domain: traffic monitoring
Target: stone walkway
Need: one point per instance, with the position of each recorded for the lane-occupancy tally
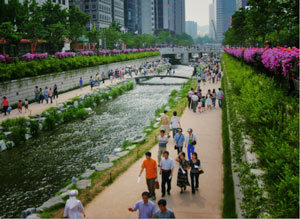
(114, 201)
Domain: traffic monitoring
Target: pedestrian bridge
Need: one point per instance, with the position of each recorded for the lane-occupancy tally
(137, 79)
(187, 52)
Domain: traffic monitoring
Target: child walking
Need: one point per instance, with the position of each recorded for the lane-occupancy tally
(26, 105)
(20, 106)
(203, 100)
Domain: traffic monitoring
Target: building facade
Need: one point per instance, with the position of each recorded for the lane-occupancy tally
(241, 4)
(63, 3)
(224, 10)
(131, 16)
(146, 18)
(212, 20)
(117, 11)
(191, 28)
(179, 13)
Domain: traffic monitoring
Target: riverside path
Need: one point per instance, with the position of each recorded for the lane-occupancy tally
(114, 201)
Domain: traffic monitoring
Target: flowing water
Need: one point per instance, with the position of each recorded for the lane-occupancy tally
(32, 173)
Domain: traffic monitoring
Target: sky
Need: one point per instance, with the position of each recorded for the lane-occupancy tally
(197, 10)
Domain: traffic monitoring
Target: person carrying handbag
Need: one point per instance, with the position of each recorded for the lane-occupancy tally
(195, 166)
(190, 142)
(179, 140)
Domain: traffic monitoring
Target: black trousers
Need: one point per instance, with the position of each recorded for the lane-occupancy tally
(195, 179)
(165, 179)
(190, 102)
(5, 110)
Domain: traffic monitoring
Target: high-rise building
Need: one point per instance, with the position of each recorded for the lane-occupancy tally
(191, 28)
(212, 20)
(170, 15)
(102, 12)
(117, 11)
(241, 4)
(131, 15)
(63, 3)
(146, 22)
(224, 10)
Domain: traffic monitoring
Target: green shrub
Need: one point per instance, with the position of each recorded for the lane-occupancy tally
(18, 134)
(81, 114)
(49, 123)
(34, 127)
(8, 124)
(23, 69)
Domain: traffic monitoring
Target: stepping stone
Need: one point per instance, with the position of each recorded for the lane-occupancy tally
(103, 166)
(117, 150)
(148, 130)
(131, 147)
(7, 134)
(33, 216)
(66, 188)
(74, 179)
(158, 119)
(28, 136)
(87, 174)
(82, 184)
(139, 140)
(89, 110)
(75, 104)
(51, 202)
(156, 125)
(122, 154)
(2, 145)
(65, 194)
(10, 144)
(110, 158)
(27, 212)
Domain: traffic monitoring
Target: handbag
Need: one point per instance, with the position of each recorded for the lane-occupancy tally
(194, 142)
(156, 185)
(176, 147)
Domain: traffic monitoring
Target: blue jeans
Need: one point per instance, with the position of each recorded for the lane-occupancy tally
(214, 102)
(190, 150)
(220, 103)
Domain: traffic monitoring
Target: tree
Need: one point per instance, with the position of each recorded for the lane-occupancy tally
(12, 37)
(56, 36)
(94, 35)
(76, 23)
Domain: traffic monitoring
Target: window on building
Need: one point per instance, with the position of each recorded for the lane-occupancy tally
(93, 6)
(86, 7)
(64, 2)
(54, 1)
(94, 16)
(59, 1)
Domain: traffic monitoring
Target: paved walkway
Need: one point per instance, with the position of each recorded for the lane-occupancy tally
(114, 201)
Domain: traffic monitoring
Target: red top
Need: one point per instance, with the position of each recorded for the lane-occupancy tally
(5, 102)
(19, 104)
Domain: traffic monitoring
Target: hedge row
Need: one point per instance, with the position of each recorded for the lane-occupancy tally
(52, 65)
(271, 119)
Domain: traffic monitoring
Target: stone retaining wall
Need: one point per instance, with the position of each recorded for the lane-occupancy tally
(24, 88)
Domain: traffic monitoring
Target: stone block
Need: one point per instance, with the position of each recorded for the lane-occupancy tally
(27, 212)
(2, 145)
(87, 174)
(28, 136)
(10, 144)
(83, 184)
(66, 188)
(75, 104)
(158, 119)
(51, 202)
(33, 216)
(116, 150)
(122, 154)
(74, 179)
(110, 158)
(156, 125)
(7, 134)
(89, 110)
(139, 140)
(103, 166)
(131, 147)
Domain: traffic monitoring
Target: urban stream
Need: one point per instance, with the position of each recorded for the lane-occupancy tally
(32, 173)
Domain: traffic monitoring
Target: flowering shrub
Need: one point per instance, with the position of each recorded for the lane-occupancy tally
(135, 50)
(277, 60)
(4, 58)
(86, 53)
(34, 56)
(115, 51)
(64, 54)
(102, 52)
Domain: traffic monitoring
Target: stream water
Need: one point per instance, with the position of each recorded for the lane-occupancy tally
(32, 173)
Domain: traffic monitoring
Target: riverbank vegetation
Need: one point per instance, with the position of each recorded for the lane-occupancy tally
(53, 65)
(100, 180)
(265, 126)
(20, 129)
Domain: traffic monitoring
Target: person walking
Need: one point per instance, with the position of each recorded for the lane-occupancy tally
(165, 123)
(175, 123)
(203, 100)
(73, 207)
(46, 94)
(20, 106)
(162, 145)
(220, 97)
(102, 77)
(195, 165)
(151, 173)
(209, 102)
(26, 104)
(189, 96)
(190, 142)
(213, 77)
(179, 140)
(5, 105)
(194, 102)
(41, 95)
(146, 208)
(163, 211)
(37, 94)
(91, 82)
(166, 170)
(182, 176)
(214, 97)
(50, 92)
(55, 92)
(80, 83)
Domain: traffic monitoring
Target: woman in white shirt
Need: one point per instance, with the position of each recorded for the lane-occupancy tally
(175, 123)
(73, 208)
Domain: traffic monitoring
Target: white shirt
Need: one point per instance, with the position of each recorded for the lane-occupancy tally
(195, 97)
(175, 122)
(167, 164)
(73, 208)
(209, 101)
